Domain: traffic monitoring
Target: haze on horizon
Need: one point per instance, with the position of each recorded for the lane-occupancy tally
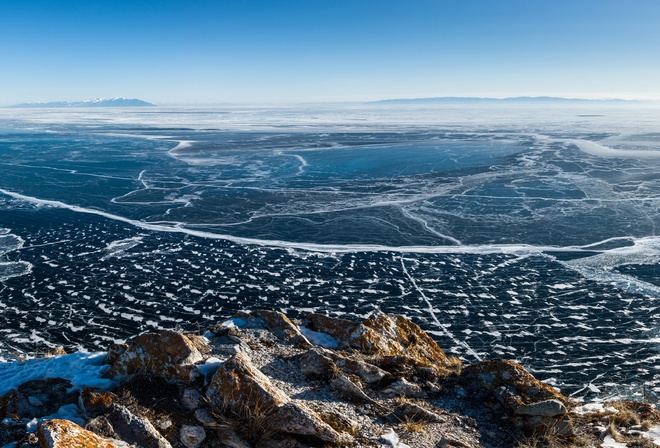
(258, 51)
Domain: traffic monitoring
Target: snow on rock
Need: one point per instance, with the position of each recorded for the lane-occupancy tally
(318, 338)
(82, 369)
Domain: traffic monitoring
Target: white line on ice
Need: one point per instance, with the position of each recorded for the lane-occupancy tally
(312, 247)
(444, 328)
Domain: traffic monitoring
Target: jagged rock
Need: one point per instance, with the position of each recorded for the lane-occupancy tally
(544, 417)
(547, 408)
(135, 429)
(407, 367)
(229, 345)
(168, 354)
(317, 363)
(282, 327)
(95, 401)
(368, 373)
(191, 399)
(383, 336)
(341, 423)
(415, 413)
(66, 434)
(447, 441)
(349, 390)
(101, 427)
(37, 398)
(192, 436)
(403, 388)
(515, 386)
(349, 334)
(243, 389)
(408, 338)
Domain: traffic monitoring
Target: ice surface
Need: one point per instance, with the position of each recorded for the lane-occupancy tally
(527, 233)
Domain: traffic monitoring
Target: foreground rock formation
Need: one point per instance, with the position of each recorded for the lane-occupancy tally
(262, 380)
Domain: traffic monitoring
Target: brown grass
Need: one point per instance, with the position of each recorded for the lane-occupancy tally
(413, 426)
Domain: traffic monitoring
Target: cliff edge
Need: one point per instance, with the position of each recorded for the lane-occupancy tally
(260, 379)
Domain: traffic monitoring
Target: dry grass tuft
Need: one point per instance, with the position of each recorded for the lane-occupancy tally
(254, 424)
(410, 425)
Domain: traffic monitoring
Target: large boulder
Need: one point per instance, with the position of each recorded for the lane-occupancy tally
(382, 336)
(134, 429)
(507, 382)
(65, 434)
(535, 407)
(239, 388)
(169, 354)
(281, 326)
(409, 338)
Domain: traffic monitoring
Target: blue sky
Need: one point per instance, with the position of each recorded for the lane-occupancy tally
(269, 51)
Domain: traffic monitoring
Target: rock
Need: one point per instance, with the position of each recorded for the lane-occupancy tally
(317, 363)
(544, 417)
(191, 399)
(242, 389)
(204, 417)
(135, 429)
(282, 327)
(114, 352)
(192, 436)
(101, 427)
(94, 402)
(227, 438)
(37, 398)
(349, 334)
(547, 408)
(229, 345)
(415, 413)
(507, 382)
(65, 434)
(407, 337)
(368, 373)
(341, 423)
(383, 336)
(349, 390)
(168, 354)
(403, 388)
(447, 441)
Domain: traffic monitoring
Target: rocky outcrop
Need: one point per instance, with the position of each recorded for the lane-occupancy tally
(264, 380)
(240, 388)
(168, 354)
(66, 434)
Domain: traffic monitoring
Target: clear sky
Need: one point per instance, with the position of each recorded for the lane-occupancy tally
(265, 51)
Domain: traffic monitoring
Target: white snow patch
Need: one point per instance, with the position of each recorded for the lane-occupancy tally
(210, 366)
(318, 338)
(390, 438)
(82, 369)
(234, 322)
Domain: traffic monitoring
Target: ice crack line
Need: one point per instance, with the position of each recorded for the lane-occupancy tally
(442, 326)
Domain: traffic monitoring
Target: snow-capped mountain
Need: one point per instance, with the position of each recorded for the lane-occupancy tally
(98, 102)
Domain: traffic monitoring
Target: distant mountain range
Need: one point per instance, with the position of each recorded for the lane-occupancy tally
(99, 102)
(468, 99)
